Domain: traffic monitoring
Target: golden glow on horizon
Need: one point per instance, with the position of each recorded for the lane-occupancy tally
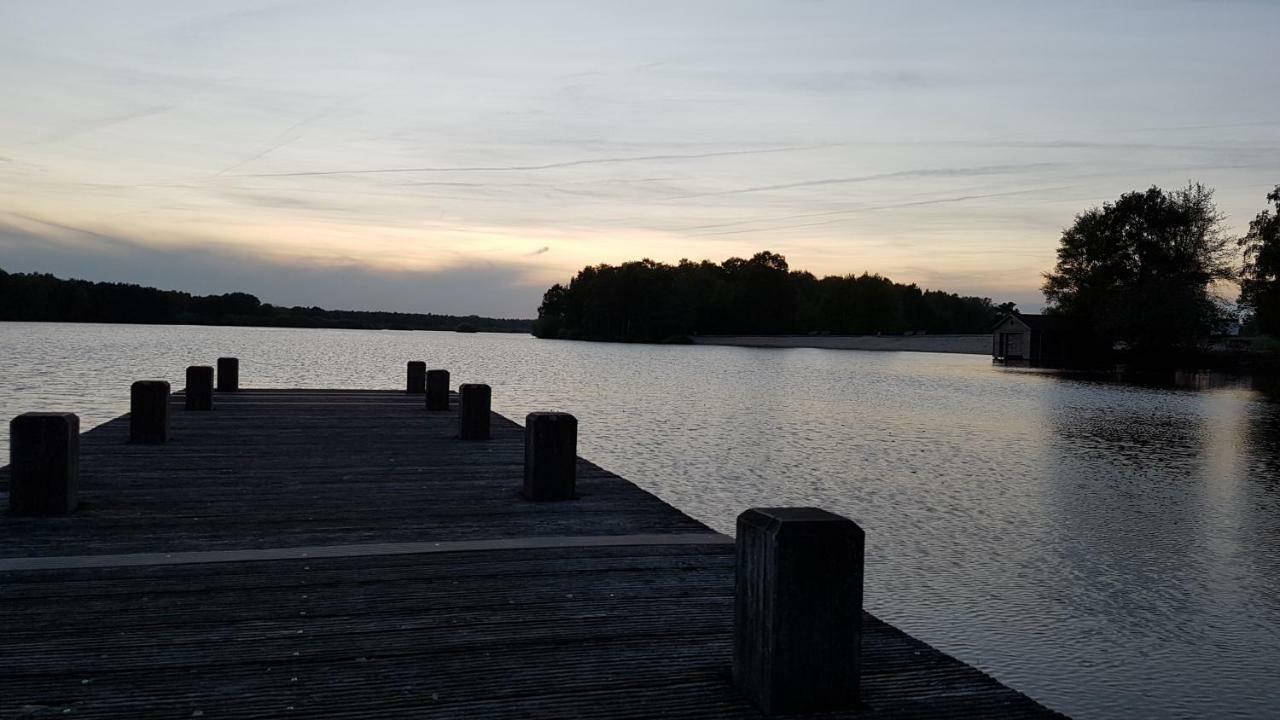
(328, 136)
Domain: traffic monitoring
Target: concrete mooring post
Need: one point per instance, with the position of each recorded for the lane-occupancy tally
(149, 411)
(44, 467)
(550, 456)
(797, 624)
(228, 374)
(416, 382)
(199, 388)
(473, 411)
(437, 389)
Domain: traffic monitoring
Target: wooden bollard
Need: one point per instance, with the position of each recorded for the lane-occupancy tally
(228, 374)
(417, 378)
(437, 389)
(550, 456)
(149, 411)
(44, 467)
(797, 624)
(473, 411)
(199, 387)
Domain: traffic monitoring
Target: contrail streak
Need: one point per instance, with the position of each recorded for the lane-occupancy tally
(938, 172)
(545, 166)
(853, 211)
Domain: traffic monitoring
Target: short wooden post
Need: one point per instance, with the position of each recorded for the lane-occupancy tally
(550, 456)
(44, 467)
(417, 378)
(797, 632)
(149, 411)
(437, 389)
(199, 387)
(473, 411)
(228, 374)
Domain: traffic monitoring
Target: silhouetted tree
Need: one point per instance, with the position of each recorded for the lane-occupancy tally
(1260, 275)
(650, 301)
(1141, 271)
(38, 297)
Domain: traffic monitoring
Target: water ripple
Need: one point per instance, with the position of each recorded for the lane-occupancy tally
(1114, 551)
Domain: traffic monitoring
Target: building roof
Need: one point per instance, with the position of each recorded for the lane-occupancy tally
(1036, 323)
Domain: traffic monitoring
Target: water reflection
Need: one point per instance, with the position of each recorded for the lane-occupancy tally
(1121, 488)
(1112, 549)
(1260, 519)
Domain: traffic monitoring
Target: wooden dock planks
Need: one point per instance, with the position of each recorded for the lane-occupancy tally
(550, 610)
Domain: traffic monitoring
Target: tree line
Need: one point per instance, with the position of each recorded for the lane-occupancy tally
(43, 297)
(647, 301)
(1144, 277)
(1141, 279)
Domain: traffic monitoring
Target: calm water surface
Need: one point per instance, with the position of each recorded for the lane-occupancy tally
(1112, 550)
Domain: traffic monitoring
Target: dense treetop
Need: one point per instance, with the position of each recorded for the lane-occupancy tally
(37, 297)
(1142, 271)
(1260, 275)
(651, 301)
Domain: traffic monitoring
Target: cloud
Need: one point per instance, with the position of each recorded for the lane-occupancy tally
(958, 172)
(482, 288)
(289, 135)
(541, 250)
(817, 79)
(548, 166)
(107, 122)
(866, 208)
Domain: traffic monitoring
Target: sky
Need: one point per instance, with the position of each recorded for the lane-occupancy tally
(459, 157)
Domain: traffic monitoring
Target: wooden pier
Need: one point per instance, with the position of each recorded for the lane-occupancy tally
(334, 553)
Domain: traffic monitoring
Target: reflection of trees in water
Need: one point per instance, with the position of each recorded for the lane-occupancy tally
(1168, 506)
(1122, 485)
(1260, 524)
(1262, 444)
(1123, 443)
(1128, 378)
(1266, 385)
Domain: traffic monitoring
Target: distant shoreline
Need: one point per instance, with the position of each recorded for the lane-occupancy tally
(968, 344)
(519, 331)
(40, 297)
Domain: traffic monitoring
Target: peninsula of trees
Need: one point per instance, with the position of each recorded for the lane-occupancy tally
(1138, 281)
(38, 297)
(648, 301)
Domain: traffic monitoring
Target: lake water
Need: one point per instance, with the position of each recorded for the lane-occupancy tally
(1112, 550)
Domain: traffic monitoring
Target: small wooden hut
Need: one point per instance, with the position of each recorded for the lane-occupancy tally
(1026, 339)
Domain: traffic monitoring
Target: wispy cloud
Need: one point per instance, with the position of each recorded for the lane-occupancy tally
(70, 133)
(959, 172)
(549, 166)
(321, 135)
(866, 208)
(290, 134)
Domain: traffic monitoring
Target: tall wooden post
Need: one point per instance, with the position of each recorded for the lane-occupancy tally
(44, 467)
(228, 374)
(550, 456)
(149, 411)
(473, 411)
(416, 380)
(199, 387)
(798, 610)
(437, 389)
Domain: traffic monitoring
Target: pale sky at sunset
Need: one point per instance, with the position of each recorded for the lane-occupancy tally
(461, 156)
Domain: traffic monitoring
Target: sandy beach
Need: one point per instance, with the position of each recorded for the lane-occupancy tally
(966, 344)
